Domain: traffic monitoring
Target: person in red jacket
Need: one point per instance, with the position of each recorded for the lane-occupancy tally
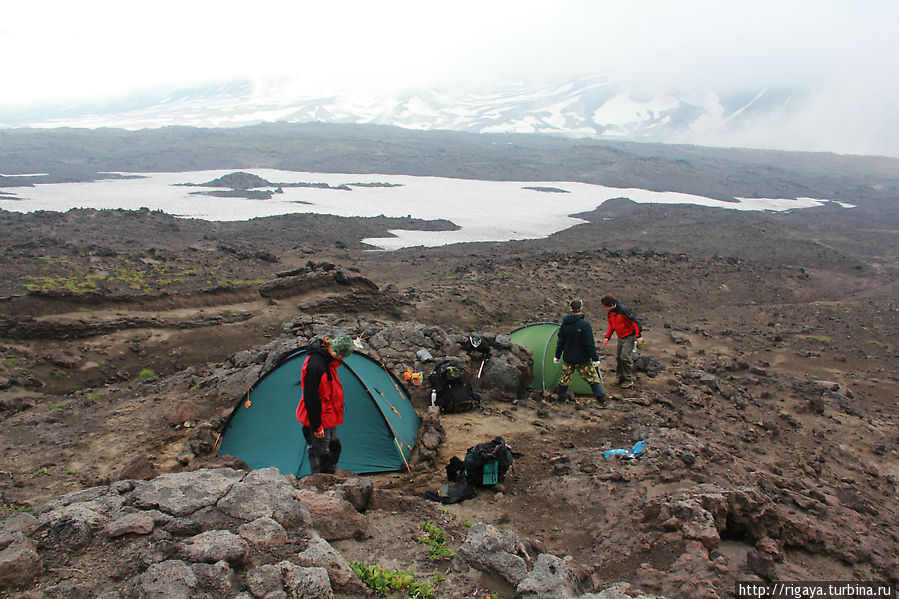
(623, 323)
(320, 409)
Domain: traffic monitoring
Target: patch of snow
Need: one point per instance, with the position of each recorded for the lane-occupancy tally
(484, 210)
(743, 109)
(623, 112)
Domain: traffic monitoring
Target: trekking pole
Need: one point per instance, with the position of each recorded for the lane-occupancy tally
(599, 373)
(477, 381)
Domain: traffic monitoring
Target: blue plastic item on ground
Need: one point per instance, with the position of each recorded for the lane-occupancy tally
(611, 452)
(631, 453)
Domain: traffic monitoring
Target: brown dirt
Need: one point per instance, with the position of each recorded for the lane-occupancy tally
(782, 303)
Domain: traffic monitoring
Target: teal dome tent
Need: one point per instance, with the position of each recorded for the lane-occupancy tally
(379, 424)
(541, 338)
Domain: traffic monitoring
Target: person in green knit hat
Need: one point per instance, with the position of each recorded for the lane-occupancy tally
(320, 409)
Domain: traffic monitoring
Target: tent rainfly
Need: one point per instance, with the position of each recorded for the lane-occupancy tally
(379, 423)
(541, 338)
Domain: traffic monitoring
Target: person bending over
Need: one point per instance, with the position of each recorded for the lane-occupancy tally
(623, 323)
(320, 409)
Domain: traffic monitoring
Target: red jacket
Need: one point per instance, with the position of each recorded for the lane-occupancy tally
(622, 322)
(321, 403)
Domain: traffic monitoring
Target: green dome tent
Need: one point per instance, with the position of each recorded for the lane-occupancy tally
(541, 338)
(379, 423)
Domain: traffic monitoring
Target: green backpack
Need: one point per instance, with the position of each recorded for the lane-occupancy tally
(486, 463)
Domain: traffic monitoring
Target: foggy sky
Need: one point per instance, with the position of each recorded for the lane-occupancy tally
(844, 53)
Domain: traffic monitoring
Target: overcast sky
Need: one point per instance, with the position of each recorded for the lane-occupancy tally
(845, 52)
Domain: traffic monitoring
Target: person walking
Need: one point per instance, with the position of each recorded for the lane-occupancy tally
(320, 409)
(577, 350)
(623, 323)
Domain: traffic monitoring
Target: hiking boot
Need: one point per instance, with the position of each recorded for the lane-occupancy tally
(562, 393)
(626, 384)
(598, 393)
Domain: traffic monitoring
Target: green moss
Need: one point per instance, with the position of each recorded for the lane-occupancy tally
(240, 282)
(435, 539)
(48, 283)
(386, 582)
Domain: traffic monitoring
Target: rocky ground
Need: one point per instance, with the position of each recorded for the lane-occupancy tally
(127, 337)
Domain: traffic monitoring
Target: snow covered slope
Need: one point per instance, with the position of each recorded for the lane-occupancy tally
(591, 107)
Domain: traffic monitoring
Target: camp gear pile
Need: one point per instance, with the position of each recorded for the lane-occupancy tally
(485, 465)
(452, 389)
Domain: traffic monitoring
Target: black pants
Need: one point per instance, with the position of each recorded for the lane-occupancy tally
(323, 453)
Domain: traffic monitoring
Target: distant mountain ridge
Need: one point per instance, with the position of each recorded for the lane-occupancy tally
(592, 107)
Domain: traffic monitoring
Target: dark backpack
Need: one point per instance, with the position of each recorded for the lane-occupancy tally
(485, 464)
(452, 388)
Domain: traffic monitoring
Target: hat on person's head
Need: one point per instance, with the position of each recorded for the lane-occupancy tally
(342, 345)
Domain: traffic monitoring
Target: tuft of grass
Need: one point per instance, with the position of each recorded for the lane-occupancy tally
(228, 283)
(819, 338)
(59, 283)
(386, 582)
(54, 406)
(10, 362)
(146, 373)
(435, 539)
